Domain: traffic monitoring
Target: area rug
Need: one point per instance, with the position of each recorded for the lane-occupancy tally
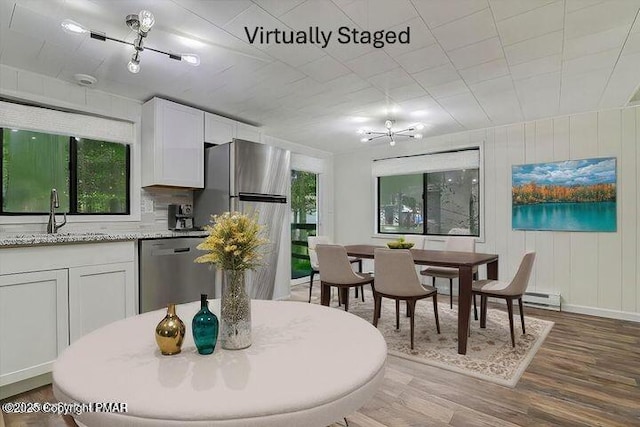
(490, 355)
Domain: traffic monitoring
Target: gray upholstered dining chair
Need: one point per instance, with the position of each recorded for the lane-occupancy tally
(312, 242)
(396, 278)
(455, 244)
(335, 270)
(507, 290)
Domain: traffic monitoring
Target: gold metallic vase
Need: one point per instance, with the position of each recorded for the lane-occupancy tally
(170, 332)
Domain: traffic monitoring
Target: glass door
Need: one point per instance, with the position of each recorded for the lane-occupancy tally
(304, 221)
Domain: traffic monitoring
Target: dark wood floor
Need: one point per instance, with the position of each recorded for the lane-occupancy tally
(587, 373)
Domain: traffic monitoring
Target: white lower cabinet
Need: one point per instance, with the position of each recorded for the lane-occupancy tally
(34, 323)
(52, 295)
(99, 295)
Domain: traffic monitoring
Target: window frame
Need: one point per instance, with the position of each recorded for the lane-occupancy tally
(480, 237)
(73, 182)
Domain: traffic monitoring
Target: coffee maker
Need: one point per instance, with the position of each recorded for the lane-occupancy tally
(180, 217)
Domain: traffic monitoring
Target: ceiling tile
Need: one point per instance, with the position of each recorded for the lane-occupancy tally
(295, 55)
(632, 45)
(324, 69)
(539, 96)
(436, 76)
(403, 93)
(595, 42)
(252, 18)
(486, 71)
(466, 110)
(378, 14)
(477, 53)
(548, 64)
(488, 87)
(391, 79)
(465, 31)
(456, 87)
(503, 9)
(535, 48)
(278, 7)
(218, 12)
(436, 13)
(371, 64)
(582, 64)
(501, 107)
(623, 82)
(583, 92)
(600, 17)
(420, 37)
(532, 24)
(421, 59)
(573, 5)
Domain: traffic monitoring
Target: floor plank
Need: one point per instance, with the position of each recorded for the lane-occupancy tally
(586, 373)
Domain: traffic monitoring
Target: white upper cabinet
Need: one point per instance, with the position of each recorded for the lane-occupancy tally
(248, 132)
(220, 130)
(172, 144)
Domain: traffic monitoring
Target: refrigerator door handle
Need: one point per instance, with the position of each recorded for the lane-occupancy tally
(265, 198)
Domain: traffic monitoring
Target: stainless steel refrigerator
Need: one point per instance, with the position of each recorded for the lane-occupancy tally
(252, 178)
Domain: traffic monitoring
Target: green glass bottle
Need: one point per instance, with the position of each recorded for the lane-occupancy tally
(205, 328)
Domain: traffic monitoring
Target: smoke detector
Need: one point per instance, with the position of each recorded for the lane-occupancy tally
(85, 79)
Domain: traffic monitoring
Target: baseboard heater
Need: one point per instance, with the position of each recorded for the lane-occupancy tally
(541, 300)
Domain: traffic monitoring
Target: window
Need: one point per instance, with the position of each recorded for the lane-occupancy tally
(441, 196)
(92, 177)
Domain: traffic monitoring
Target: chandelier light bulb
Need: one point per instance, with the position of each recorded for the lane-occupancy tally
(360, 131)
(191, 59)
(388, 124)
(72, 27)
(364, 139)
(146, 20)
(418, 136)
(134, 66)
(392, 142)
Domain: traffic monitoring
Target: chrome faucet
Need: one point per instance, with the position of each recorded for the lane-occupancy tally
(54, 203)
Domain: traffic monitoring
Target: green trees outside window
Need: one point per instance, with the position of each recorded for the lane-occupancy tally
(92, 177)
(304, 219)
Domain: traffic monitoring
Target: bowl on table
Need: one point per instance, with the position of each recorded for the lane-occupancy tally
(400, 245)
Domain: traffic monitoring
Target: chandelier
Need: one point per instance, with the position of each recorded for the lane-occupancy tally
(141, 24)
(391, 133)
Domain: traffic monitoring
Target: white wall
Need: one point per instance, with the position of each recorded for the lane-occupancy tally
(595, 273)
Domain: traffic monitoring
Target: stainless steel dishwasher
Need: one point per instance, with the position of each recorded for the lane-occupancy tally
(169, 275)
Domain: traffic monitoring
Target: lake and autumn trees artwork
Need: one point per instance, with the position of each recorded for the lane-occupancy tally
(572, 195)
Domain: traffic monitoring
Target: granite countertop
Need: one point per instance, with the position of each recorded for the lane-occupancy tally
(8, 240)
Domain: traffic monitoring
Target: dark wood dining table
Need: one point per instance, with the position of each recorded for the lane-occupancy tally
(463, 261)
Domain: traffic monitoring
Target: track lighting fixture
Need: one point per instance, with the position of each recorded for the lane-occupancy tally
(141, 24)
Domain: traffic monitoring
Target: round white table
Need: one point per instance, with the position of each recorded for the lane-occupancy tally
(309, 365)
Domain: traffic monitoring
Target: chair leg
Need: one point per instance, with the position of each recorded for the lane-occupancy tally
(475, 309)
(483, 311)
(521, 314)
(510, 310)
(408, 309)
(345, 297)
(412, 304)
(362, 293)
(357, 291)
(435, 311)
(360, 266)
(450, 293)
(397, 314)
(311, 284)
(377, 303)
(433, 281)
